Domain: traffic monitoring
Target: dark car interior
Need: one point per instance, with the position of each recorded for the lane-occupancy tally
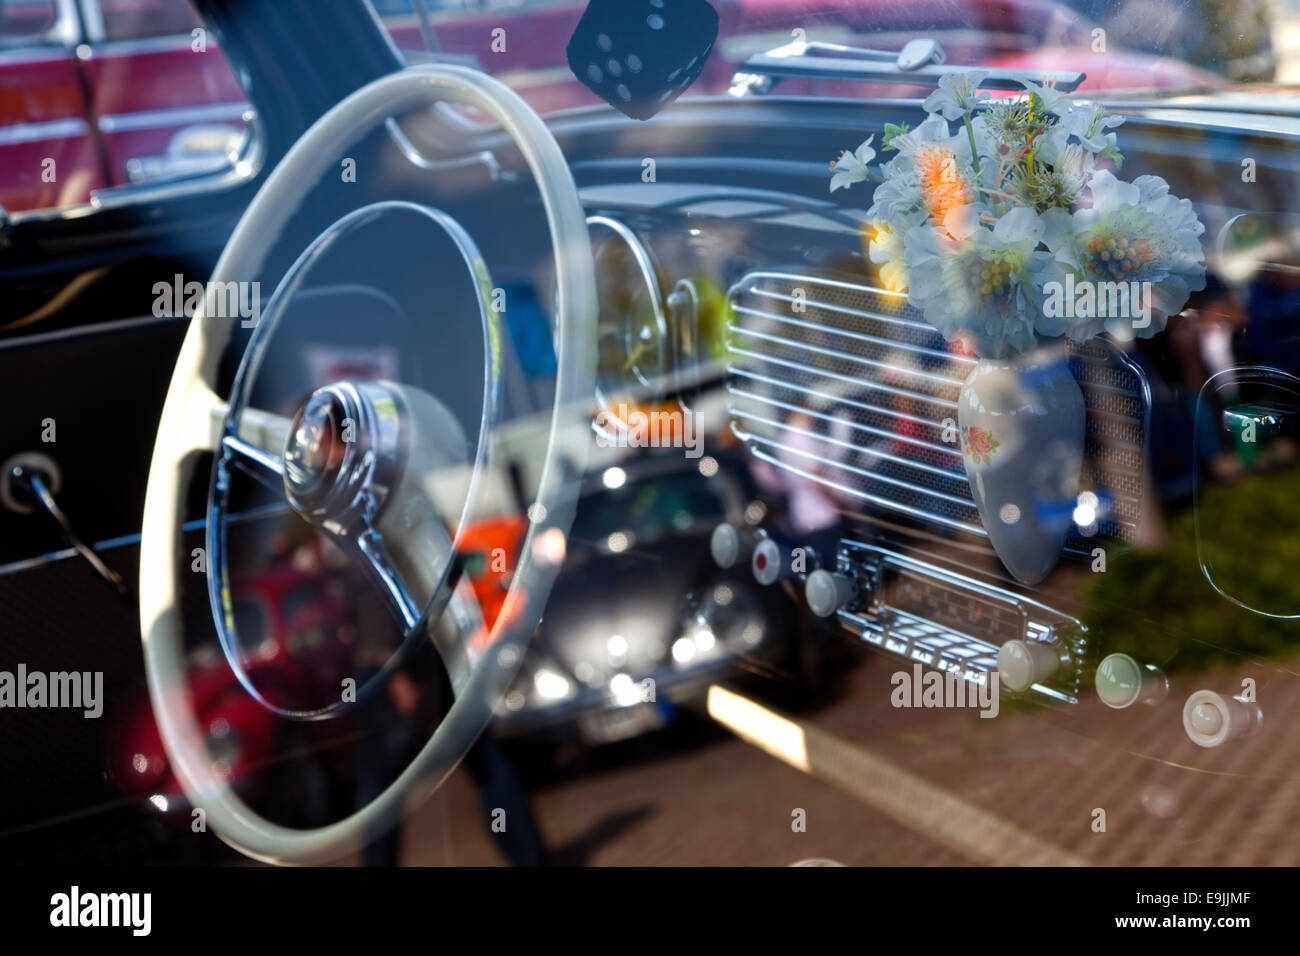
(663, 624)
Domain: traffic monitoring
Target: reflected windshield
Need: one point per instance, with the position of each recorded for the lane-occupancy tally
(1135, 46)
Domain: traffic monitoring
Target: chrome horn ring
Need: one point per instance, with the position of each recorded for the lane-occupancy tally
(342, 458)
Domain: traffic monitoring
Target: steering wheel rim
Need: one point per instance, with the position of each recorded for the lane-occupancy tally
(192, 423)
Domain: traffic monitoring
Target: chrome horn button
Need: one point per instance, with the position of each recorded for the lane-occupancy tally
(315, 448)
(341, 453)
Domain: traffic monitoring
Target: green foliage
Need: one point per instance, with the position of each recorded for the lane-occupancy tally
(1112, 152)
(892, 130)
(1159, 607)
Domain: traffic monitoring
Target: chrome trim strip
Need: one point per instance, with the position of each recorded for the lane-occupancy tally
(892, 436)
(92, 19)
(816, 280)
(869, 475)
(823, 373)
(242, 171)
(858, 493)
(1118, 383)
(484, 157)
(947, 473)
(843, 356)
(36, 132)
(77, 331)
(646, 267)
(864, 314)
(180, 116)
(838, 399)
(126, 540)
(33, 54)
(130, 46)
(857, 336)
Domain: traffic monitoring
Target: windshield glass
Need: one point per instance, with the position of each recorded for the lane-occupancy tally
(1137, 46)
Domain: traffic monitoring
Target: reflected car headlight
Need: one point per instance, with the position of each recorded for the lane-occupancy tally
(698, 645)
(224, 745)
(626, 691)
(551, 685)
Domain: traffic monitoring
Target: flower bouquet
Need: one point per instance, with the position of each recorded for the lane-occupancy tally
(1010, 234)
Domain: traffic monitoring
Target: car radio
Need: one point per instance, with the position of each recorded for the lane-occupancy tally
(928, 614)
(955, 623)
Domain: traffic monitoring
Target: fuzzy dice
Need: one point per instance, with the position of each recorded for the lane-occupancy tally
(640, 55)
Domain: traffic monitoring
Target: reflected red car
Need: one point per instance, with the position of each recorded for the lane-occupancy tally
(116, 93)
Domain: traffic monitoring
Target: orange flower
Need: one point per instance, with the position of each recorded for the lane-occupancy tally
(943, 184)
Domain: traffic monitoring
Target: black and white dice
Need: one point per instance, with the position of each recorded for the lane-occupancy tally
(640, 55)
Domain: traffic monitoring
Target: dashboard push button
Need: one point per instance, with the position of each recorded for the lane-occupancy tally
(725, 545)
(827, 592)
(1022, 664)
(1212, 719)
(1121, 682)
(766, 562)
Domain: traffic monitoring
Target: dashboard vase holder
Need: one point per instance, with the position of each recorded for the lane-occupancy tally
(1022, 437)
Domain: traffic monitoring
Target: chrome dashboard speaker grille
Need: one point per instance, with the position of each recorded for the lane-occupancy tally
(847, 386)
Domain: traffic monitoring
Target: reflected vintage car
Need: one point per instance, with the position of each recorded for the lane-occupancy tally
(986, 331)
(641, 620)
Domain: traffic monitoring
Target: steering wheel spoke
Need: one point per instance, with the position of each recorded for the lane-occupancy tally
(369, 552)
(258, 463)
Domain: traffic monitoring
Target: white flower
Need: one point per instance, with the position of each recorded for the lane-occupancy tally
(958, 94)
(1049, 96)
(931, 173)
(1089, 125)
(851, 167)
(970, 280)
(1133, 233)
(885, 248)
(1072, 164)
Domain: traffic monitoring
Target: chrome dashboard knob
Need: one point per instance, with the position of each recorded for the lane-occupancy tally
(1121, 682)
(827, 592)
(1212, 719)
(1021, 664)
(725, 545)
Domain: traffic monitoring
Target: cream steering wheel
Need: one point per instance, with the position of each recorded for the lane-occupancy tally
(194, 420)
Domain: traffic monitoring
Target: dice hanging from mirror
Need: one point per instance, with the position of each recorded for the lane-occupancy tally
(640, 55)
